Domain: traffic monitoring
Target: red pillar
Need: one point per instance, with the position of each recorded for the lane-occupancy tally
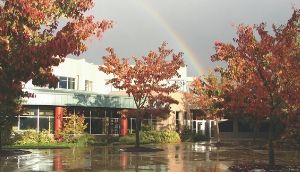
(58, 121)
(123, 125)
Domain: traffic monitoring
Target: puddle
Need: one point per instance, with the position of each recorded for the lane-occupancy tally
(175, 157)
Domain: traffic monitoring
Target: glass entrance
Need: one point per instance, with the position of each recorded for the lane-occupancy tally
(203, 127)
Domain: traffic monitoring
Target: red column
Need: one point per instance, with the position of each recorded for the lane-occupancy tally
(123, 125)
(58, 121)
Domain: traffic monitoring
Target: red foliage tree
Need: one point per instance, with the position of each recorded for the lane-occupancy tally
(145, 81)
(265, 73)
(206, 94)
(32, 41)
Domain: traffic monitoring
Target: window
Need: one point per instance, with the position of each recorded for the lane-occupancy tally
(66, 82)
(28, 122)
(71, 83)
(46, 119)
(226, 126)
(177, 121)
(63, 82)
(39, 118)
(88, 85)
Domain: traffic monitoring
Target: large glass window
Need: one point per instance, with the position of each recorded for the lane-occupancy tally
(114, 126)
(46, 123)
(131, 125)
(66, 82)
(27, 123)
(88, 85)
(97, 124)
(46, 119)
(37, 118)
(29, 119)
(88, 126)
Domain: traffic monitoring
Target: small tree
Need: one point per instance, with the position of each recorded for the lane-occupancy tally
(206, 95)
(264, 73)
(146, 80)
(73, 126)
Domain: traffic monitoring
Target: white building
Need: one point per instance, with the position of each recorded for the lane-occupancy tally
(82, 90)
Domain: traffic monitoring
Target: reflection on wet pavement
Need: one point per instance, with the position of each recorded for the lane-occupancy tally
(175, 157)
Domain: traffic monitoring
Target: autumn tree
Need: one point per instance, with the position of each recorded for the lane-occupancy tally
(33, 39)
(264, 69)
(145, 81)
(206, 94)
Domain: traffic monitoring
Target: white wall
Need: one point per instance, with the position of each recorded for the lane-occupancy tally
(82, 70)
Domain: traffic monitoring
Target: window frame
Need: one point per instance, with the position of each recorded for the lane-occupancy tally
(69, 81)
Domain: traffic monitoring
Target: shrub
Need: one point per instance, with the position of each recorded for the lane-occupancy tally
(128, 140)
(73, 130)
(85, 139)
(44, 137)
(152, 137)
(32, 137)
(146, 128)
(188, 135)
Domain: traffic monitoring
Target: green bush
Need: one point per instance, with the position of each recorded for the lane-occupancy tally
(32, 137)
(85, 139)
(128, 140)
(73, 130)
(187, 135)
(44, 137)
(146, 128)
(152, 137)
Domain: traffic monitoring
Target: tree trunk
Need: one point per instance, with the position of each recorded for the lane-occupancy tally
(109, 130)
(0, 139)
(137, 132)
(255, 131)
(271, 149)
(191, 120)
(218, 131)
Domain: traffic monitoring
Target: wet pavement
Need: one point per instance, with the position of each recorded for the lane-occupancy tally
(185, 157)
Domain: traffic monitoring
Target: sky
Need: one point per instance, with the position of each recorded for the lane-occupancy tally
(188, 26)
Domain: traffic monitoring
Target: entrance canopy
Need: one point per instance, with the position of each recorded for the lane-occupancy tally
(59, 97)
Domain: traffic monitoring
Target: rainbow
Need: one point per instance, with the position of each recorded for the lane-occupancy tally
(181, 43)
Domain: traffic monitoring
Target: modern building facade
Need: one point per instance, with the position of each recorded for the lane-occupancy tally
(82, 90)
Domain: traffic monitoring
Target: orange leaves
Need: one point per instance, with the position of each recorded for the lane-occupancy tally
(206, 95)
(4, 44)
(31, 42)
(145, 79)
(262, 68)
